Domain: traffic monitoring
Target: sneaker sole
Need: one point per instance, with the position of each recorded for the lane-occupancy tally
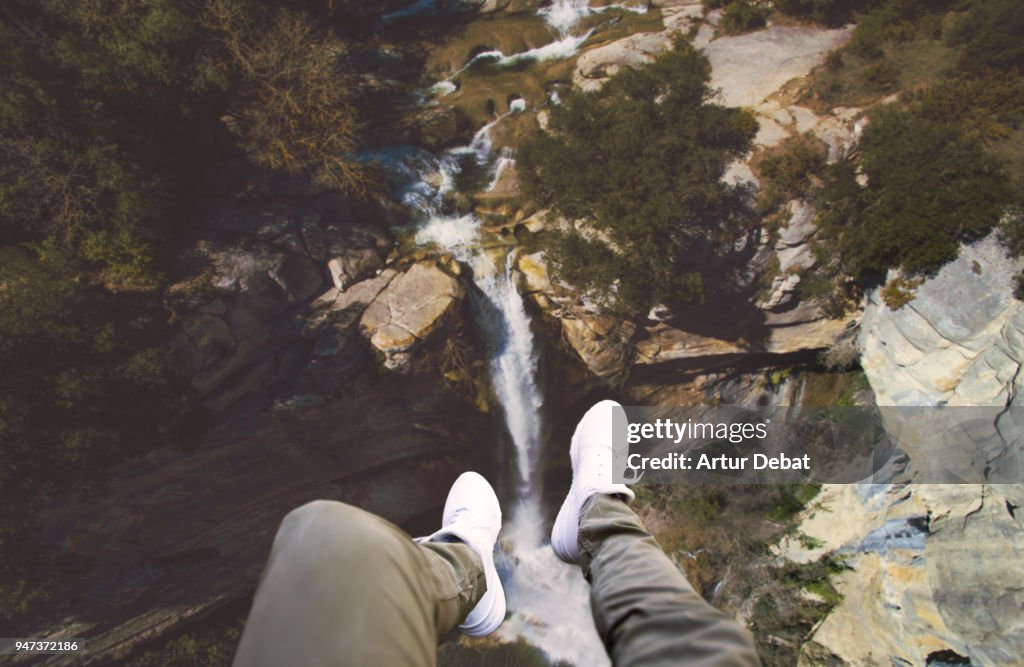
(568, 516)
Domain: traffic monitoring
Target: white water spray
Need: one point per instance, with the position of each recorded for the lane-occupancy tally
(563, 15)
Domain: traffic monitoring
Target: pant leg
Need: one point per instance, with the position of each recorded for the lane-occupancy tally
(344, 587)
(645, 610)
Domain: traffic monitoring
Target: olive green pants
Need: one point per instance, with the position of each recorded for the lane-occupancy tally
(346, 588)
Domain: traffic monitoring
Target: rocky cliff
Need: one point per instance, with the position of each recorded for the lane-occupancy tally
(932, 565)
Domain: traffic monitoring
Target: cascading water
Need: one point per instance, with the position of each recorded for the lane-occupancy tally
(563, 15)
(549, 599)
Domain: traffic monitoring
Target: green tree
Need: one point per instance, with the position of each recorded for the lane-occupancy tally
(991, 36)
(741, 16)
(928, 188)
(829, 12)
(640, 162)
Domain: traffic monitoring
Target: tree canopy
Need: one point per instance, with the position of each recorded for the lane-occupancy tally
(928, 188)
(640, 164)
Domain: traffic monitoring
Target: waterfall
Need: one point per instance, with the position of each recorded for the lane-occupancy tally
(548, 599)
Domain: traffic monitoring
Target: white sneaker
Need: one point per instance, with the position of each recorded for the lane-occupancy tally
(591, 454)
(472, 514)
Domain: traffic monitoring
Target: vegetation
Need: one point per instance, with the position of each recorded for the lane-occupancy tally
(293, 109)
(708, 530)
(930, 173)
(784, 615)
(928, 188)
(788, 170)
(641, 162)
(741, 16)
(830, 12)
(107, 111)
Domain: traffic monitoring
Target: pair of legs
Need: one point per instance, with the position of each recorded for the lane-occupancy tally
(345, 587)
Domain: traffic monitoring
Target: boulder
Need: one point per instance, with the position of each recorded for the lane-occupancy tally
(959, 342)
(436, 127)
(603, 343)
(354, 252)
(596, 66)
(748, 68)
(413, 306)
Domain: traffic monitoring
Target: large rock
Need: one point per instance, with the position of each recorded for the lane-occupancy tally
(603, 343)
(243, 287)
(413, 306)
(929, 572)
(959, 342)
(748, 68)
(596, 66)
(934, 567)
(354, 252)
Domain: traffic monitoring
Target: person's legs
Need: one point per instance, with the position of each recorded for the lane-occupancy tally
(644, 608)
(345, 587)
(646, 611)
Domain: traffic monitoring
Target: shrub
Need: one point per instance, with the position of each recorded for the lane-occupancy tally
(742, 16)
(640, 161)
(294, 109)
(988, 106)
(895, 21)
(899, 291)
(881, 77)
(991, 36)
(788, 168)
(830, 12)
(928, 189)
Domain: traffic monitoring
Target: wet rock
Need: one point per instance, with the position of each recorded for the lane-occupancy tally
(436, 127)
(413, 306)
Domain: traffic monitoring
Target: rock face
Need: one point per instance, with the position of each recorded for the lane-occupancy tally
(931, 564)
(748, 68)
(929, 572)
(959, 342)
(597, 65)
(604, 343)
(269, 298)
(412, 307)
(255, 265)
(609, 345)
